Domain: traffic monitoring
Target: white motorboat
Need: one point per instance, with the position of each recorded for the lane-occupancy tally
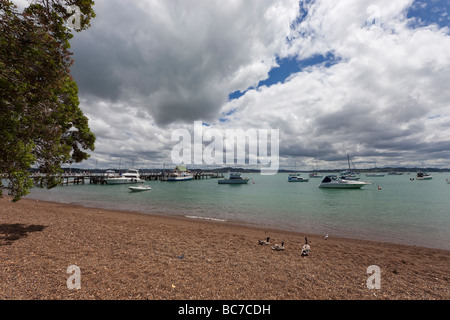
(130, 177)
(109, 174)
(140, 188)
(235, 178)
(334, 182)
(423, 176)
(180, 174)
(294, 177)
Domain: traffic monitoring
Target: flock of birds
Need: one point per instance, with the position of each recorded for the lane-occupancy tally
(305, 249)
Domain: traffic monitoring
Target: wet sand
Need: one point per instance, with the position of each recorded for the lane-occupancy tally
(122, 255)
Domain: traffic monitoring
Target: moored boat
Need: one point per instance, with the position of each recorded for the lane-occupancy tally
(334, 182)
(395, 173)
(349, 174)
(181, 173)
(294, 177)
(235, 178)
(130, 177)
(315, 175)
(423, 176)
(375, 174)
(140, 188)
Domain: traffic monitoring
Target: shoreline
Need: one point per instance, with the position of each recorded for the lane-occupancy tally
(130, 255)
(175, 214)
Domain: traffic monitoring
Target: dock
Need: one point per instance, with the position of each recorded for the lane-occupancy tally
(99, 178)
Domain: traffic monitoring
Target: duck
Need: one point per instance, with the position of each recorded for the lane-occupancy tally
(278, 247)
(306, 248)
(262, 242)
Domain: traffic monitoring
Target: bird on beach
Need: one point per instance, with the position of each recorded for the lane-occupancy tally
(278, 247)
(262, 242)
(326, 237)
(306, 248)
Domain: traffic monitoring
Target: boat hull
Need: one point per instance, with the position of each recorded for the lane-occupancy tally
(123, 181)
(139, 189)
(227, 181)
(187, 178)
(342, 185)
(333, 182)
(298, 180)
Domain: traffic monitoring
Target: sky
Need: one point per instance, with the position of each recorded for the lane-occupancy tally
(364, 78)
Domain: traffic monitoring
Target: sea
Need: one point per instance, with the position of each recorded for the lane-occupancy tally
(395, 208)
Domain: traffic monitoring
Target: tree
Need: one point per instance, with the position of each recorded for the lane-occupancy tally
(41, 123)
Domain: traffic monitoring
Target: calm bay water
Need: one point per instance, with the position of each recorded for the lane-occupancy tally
(404, 211)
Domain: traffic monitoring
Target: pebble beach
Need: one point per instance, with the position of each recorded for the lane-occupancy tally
(133, 256)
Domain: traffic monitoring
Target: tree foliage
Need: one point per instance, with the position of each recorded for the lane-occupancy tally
(41, 123)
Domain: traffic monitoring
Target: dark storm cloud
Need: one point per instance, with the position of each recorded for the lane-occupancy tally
(177, 60)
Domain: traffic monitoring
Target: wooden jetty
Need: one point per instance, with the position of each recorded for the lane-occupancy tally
(99, 178)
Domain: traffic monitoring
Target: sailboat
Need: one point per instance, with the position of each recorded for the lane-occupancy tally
(315, 174)
(296, 177)
(349, 174)
(375, 174)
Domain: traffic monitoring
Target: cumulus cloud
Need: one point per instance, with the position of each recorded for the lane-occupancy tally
(148, 67)
(179, 60)
(379, 100)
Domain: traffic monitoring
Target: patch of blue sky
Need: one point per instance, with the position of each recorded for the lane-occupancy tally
(428, 12)
(287, 67)
(290, 66)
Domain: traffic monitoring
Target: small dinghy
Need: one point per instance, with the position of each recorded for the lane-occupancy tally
(140, 188)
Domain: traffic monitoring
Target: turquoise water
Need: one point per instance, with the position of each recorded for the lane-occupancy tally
(403, 211)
